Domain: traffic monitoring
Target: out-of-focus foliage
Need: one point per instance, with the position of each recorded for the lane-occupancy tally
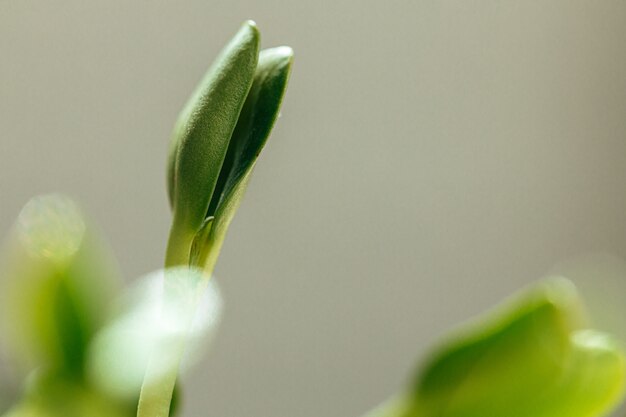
(58, 281)
(533, 357)
(83, 352)
(151, 315)
(65, 397)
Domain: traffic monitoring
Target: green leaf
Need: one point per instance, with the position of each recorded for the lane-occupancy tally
(59, 281)
(201, 137)
(529, 359)
(253, 128)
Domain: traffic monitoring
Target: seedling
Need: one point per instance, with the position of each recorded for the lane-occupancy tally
(86, 352)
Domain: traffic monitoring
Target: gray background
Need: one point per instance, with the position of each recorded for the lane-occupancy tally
(432, 157)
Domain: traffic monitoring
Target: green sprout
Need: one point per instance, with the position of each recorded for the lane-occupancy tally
(216, 142)
(214, 148)
(84, 351)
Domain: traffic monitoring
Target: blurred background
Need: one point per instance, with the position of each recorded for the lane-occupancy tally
(432, 157)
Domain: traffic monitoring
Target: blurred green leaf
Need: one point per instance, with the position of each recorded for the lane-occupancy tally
(592, 382)
(58, 281)
(201, 137)
(524, 347)
(62, 397)
(531, 357)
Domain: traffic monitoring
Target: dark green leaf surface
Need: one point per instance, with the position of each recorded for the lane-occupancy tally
(257, 118)
(202, 134)
(253, 128)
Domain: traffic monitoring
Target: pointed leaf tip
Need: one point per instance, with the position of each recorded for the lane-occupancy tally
(278, 52)
(251, 23)
(250, 30)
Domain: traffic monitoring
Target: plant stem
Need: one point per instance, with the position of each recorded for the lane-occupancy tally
(180, 300)
(178, 248)
(158, 387)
